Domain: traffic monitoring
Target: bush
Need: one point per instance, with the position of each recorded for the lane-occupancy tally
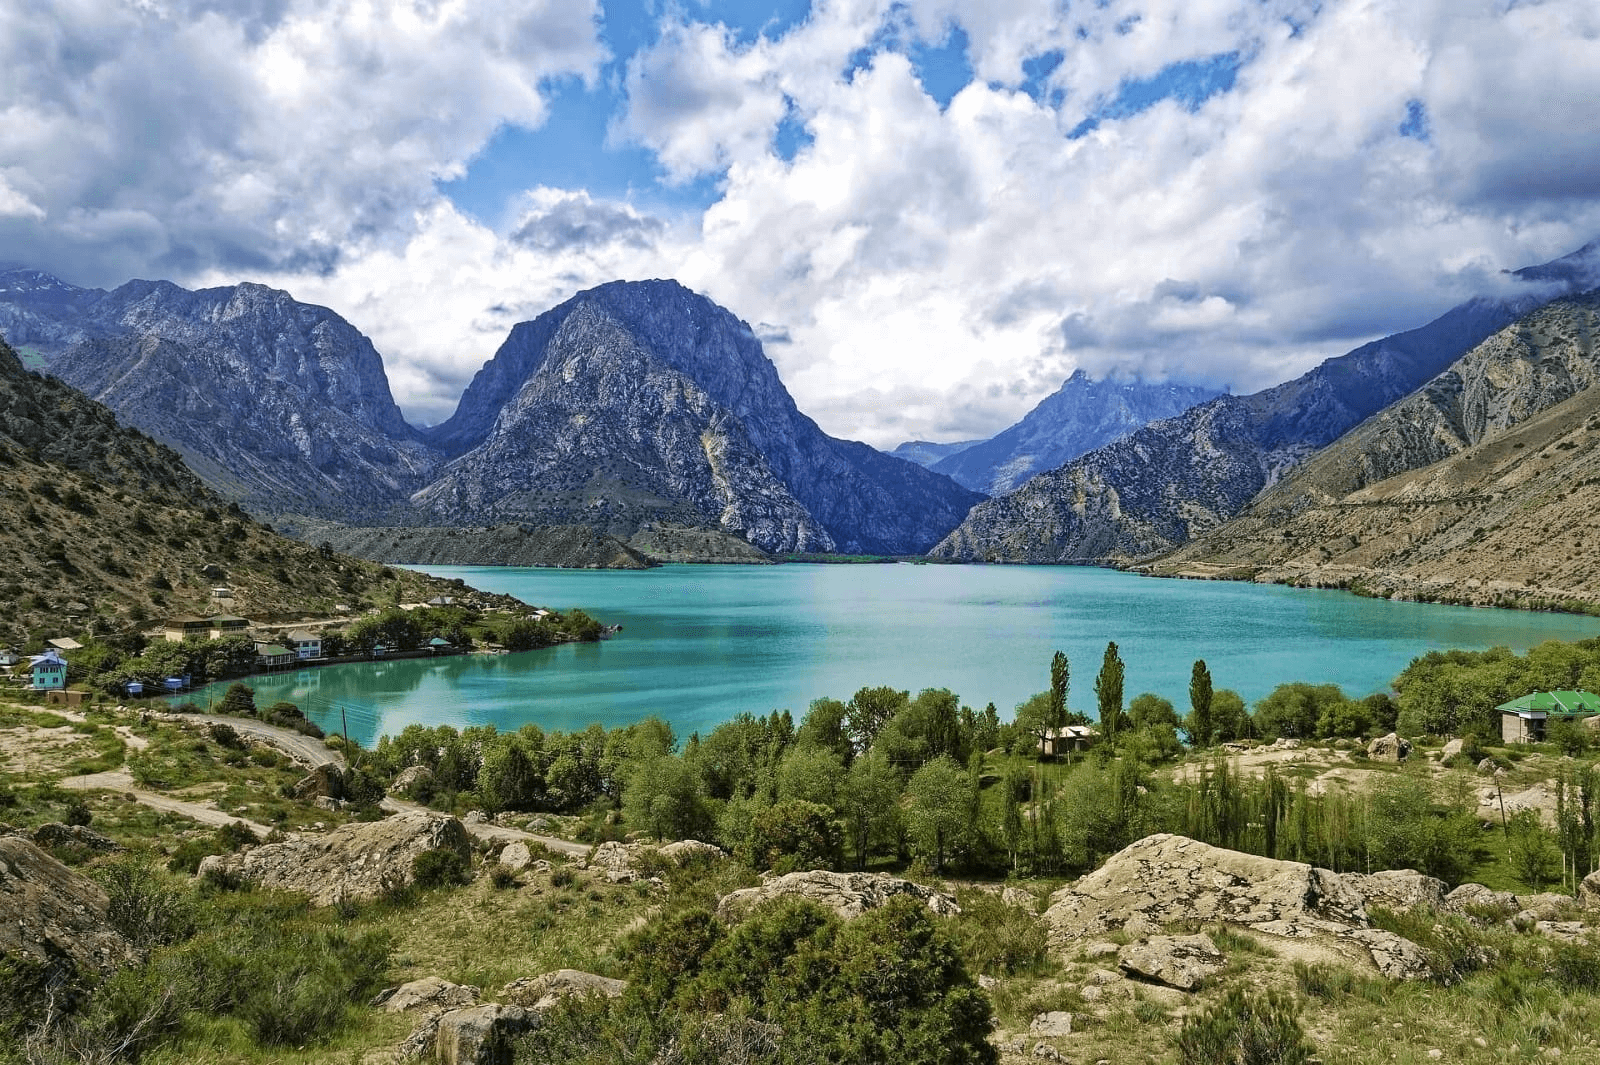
(143, 908)
(502, 877)
(78, 813)
(440, 867)
(1326, 982)
(998, 939)
(1245, 1030)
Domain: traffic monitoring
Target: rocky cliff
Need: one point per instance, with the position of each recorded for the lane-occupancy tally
(640, 402)
(280, 404)
(1476, 487)
(1077, 418)
(1175, 479)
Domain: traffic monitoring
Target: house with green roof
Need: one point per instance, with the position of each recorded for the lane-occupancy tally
(1525, 720)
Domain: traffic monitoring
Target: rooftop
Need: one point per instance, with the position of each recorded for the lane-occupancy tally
(1561, 703)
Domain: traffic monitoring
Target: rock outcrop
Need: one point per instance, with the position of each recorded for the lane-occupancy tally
(620, 862)
(429, 993)
(359, 860)
(846, 894)
(53, 914)
(1166, 879)
(1183, 962)
(539, 993)
(1391, 748)
(56, 834)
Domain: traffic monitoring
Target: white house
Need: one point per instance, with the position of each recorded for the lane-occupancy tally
(306, 645)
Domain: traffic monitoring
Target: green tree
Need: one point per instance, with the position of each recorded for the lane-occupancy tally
(663, 797)
(813, 774)
(937, 815)
(238, 701)
(1060, 679)
(1199, 724)
(824, 726)
(1108, 691)
(794, 834)
(869, 710)
(870, 804)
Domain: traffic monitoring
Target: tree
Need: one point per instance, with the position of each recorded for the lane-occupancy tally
(823, 726)
(869, 710)
(238, 701)
(1108, 690)
(794, 834)
(813, 774)
(1060, 679)
(1199, 725)
(870, 804)
(1229, 719)
(662, 797)
(938, 817)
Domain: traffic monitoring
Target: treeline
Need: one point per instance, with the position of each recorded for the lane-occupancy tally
(1455, 693)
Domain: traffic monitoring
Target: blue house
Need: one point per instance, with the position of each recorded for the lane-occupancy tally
(49, 671)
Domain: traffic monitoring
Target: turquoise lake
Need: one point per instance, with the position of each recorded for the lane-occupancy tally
(702, 643)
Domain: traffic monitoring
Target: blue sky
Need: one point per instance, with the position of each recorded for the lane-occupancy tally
(933, 210)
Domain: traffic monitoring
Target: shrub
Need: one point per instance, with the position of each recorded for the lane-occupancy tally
(502, 877)
(562, 877)
(1326, 982)
(78, 813)
(996, 938)
(440, 867)
(142, 907)
(1245, 1030)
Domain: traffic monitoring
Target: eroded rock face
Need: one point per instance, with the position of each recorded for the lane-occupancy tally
(325, 781)
(619, 861)
(1398, 889)
(430, 993)
(50, 912)
(480, 1035)
(1183, 962)
(1589, 891)
(846, 894)
(354, 861)
(410, 778)
(56, 834)
(685, 849)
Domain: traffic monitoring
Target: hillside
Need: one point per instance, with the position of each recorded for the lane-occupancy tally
(1478, 487)
(102, 530)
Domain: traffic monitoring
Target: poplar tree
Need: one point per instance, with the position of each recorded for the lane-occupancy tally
(1200, 704)
(1060, 677)
(1108, 690)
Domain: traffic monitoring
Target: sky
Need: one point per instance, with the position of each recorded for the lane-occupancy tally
(932, 211)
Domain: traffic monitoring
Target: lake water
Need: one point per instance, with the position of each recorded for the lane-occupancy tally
(701, 643)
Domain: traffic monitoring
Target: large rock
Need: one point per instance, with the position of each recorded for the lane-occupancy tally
(56, 834)
(429, 993)
(481, 1035)
(1390, 748)
(1398, 889)
(1589, 891)
(410, 778)
(325, 781)
(356, 861)
(620, 861)
(540, 993)
(1477, 900)
(51, 913)
(1451, 749)
(1166, 879)
(846, 894)
(1183, 962)
(687, 849)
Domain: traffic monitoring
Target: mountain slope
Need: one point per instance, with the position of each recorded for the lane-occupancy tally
(642, 401)
(281, 405)
(1480, 485)
(1077, 418)
(925, 452)
(1175, 479)
(102, 530)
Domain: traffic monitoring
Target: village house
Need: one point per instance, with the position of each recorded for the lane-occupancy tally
(228, 625)
(187, 627)
(49, 671)
(273, 655)
(65, 643)
(1068, 740)
(1527, 720)
(307, 645)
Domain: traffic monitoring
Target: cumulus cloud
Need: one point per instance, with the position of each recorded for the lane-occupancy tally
(171, 137)
(918, 270)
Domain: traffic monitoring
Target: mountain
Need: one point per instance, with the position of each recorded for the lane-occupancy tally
(1178, 478)
(1479, 486)
(925, 452)
(642, 402)
(102, 530)
(281, 405)
(1078, 417)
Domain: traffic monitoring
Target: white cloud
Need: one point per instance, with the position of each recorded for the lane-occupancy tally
(935, 271)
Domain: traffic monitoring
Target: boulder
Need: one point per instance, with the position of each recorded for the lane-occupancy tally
(480, 1035)
(846, 894)
(1183, 962)
(1390, 748)
(1020, 898)
(1481, 900)
(539, 993)
(1396, 957)
(1163, 879)
(429, 993)
(1166, 879)
(1398, 889)
(516, 856)
(52, 913)
(410, 778)
(1589, 891)
(359, 860)
(685, 849)
(56, 834)
(615, 860)
(325, 781)
(1053, 1025)
(1451, 749)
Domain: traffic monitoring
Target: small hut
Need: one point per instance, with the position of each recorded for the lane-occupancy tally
(1527, 719)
